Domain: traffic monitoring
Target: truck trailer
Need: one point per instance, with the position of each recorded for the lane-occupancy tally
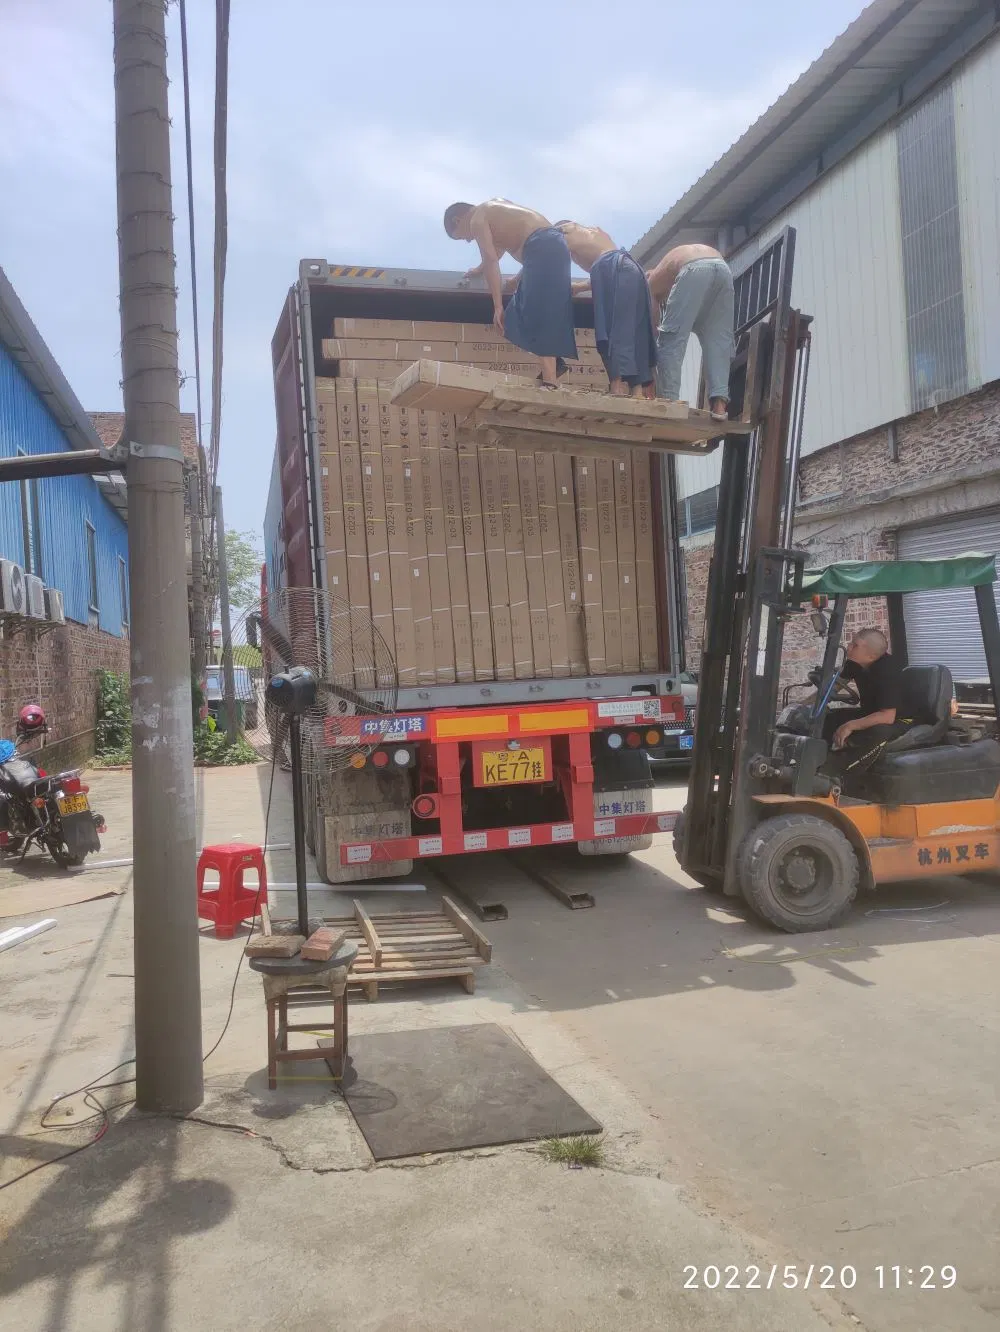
(531, 597)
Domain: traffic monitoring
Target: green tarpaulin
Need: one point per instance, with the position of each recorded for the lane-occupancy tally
(878, 578)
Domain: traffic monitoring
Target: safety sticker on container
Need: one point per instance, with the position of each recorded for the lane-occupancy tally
(359, 855)
(665, 821)
(519, 837)
(604, 827)
(474, 841)
(648, 708)
(562, 832)
(428, 846)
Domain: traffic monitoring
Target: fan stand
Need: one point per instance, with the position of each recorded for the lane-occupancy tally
(298, 822)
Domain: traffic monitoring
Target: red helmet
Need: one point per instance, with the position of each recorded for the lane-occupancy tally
(30, 720)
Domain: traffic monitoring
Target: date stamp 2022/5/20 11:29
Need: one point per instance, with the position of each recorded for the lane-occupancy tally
(819, 1276)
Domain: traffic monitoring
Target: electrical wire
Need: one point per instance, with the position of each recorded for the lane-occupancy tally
(88, 1090)
(221, 228)
(190, 204)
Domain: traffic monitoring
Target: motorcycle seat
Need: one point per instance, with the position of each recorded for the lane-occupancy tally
(19, 774)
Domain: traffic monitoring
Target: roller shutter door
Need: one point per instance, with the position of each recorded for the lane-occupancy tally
(943, 626)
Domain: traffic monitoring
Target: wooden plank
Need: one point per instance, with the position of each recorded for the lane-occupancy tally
(445, 387)
(591, 431)
(322, 944)
(466, 928)
(368, 930)
(265, 919)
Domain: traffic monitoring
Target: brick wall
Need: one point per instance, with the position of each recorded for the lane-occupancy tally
(59, 672)
(855, 495)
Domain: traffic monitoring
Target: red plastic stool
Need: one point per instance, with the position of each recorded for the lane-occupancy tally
(230, 903)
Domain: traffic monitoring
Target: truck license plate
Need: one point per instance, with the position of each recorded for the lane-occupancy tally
(74, 804)
(503, 767)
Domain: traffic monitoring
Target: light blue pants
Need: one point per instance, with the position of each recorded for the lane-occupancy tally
(700, 302)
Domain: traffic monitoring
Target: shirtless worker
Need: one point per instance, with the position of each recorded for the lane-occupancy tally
(623, 309)
(695, 287)
(539, 316)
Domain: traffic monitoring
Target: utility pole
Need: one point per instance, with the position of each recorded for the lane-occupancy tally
(167, 983)
(228, 674)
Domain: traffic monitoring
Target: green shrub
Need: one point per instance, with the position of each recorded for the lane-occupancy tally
(212, 750)
(114, 718)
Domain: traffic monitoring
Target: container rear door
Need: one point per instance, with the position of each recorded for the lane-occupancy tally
(286, 358)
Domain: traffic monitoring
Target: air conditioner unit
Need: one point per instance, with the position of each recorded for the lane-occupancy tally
(13, 594)
(54, 606)
(35, 589)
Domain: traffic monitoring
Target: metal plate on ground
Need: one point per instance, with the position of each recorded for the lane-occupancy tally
(450, 1088)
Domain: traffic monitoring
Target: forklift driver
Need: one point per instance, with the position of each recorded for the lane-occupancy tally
(870, 667)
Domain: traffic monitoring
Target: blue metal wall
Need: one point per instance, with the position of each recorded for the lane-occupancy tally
(66, 503)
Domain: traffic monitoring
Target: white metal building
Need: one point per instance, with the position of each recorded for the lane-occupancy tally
(885, 157)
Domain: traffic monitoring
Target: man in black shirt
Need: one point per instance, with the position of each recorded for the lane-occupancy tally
(870, 666)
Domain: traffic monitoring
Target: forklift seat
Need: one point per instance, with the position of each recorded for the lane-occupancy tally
(920, 767)
(926, 704)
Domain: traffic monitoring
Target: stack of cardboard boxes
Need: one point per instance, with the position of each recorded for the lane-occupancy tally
(473, 562)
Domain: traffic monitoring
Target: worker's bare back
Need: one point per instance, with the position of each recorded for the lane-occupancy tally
(663, 276)
(509, 224)
(586, 244)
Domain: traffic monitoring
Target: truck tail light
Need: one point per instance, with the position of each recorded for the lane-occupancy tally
(425, 806)
(653, 737)
(380, 759)
(633, 739)
(614, 740)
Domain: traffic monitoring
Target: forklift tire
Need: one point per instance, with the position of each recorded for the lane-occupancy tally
(710, 885)
(798, 872)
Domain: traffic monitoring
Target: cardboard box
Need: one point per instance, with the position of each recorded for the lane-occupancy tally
(373, 491)
(405, 422)
(387, 349)
(517, 575)
(569, 546)
(447, 388)
(645, 566)
(496, 563)
(548, 528)
(437, 556)
(493, 353)
(585, 479)
(475, 562)
(610, 591)
(397, 540)
(381, 370)
(534, 565)
(625, 528)
(405, 330)
(362, 644)
(454, 536)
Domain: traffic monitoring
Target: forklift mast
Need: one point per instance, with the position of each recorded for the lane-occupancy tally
(751, 566)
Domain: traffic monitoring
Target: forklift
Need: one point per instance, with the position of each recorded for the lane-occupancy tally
(768, 817)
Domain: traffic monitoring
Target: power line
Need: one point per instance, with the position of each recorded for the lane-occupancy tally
(221, 231)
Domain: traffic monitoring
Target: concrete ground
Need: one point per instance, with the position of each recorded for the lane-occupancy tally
(823, 1101)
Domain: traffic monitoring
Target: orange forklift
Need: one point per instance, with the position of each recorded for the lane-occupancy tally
(800, 835)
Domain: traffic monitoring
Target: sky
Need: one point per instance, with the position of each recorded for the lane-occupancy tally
(351, 127)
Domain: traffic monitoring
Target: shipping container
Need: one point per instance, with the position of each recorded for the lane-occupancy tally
(529, 601)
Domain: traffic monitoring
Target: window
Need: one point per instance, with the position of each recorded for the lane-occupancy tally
(94, 591)
(31, 525)
(932, 251)
(696, 513)
(123, 590)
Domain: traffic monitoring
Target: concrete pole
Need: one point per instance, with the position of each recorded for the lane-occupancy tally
(167, 986)
(228, 674)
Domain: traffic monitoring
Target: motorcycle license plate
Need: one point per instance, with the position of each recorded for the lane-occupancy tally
(73, 804)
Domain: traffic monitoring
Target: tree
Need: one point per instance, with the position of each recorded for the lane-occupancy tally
(244, 558)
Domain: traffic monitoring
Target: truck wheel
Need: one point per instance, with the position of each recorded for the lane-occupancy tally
(798, 872)
(710, 885)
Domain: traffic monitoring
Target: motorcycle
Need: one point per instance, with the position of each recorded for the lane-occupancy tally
(51, 812)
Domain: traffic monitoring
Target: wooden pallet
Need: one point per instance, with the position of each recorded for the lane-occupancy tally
(486, 400)
(408, 946)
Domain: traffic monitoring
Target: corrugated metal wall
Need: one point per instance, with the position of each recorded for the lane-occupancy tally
(977, 118)
(66, 503)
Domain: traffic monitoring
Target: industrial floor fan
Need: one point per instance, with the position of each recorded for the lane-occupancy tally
(305, 664)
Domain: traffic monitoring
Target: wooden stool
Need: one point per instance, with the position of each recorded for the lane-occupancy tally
(281, 975)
